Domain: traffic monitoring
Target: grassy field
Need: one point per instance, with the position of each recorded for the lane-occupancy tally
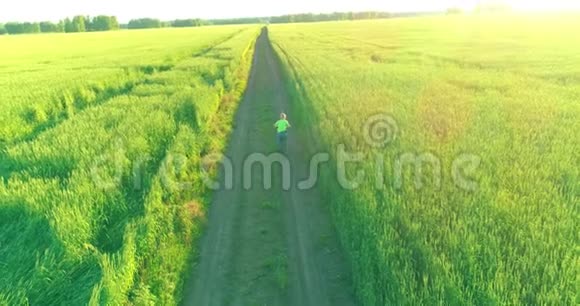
(97, 129)
(41, 76)
(501, 91)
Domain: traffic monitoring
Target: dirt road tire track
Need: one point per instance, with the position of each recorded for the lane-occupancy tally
(268, 247)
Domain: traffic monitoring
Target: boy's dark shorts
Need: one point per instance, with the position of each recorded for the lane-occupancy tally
(282, 136)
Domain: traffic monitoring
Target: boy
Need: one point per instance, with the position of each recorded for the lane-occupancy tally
(282, 126)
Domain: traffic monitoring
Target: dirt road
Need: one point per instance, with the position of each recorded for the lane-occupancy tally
(268, 246)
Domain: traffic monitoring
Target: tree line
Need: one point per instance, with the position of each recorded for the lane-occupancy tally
(107, 23)
(67, 25)
(329, 17)
(147, 23)
(156, 23)
(296, 18)
(98, 23)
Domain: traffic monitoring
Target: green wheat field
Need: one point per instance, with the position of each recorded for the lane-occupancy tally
(113, 106)
(506, 90)
(90, 123)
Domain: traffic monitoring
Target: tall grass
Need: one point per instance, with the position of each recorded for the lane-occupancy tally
(90, 206)
(503, 89)
(46, 79)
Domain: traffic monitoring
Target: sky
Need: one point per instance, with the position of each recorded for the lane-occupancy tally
(54, 10)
